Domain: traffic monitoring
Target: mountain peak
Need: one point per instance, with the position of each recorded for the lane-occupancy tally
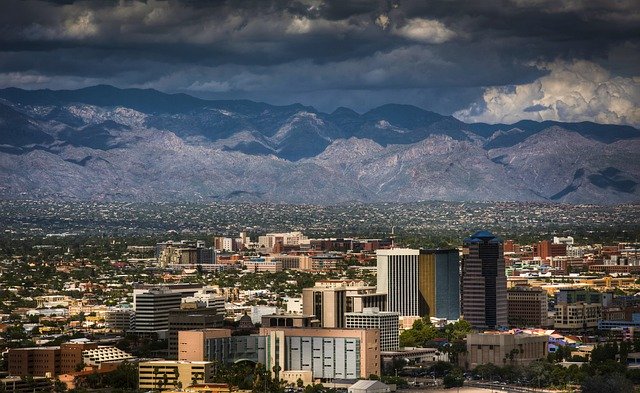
(402, 115)
(107, 141)
(344, 111)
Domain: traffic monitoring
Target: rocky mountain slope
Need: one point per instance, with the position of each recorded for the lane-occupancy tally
(103, 143)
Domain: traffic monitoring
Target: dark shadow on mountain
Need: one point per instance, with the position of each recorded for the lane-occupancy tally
(613, 178)
(575, 184)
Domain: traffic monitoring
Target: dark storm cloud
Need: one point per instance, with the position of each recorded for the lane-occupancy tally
(441, 55)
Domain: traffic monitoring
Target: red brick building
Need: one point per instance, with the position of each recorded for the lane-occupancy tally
(546, 249)
(47, 361)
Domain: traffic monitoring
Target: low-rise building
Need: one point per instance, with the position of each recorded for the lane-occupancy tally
(577, 309)
(293, 376)
(261, 265)
(192, 344)
(189, 317)
(327, 353)
(102, 354)
(47, 361)
(21, 385)
(501, 348)
(577, 315)
(119, 319)
(289, 320)
(206, 388)
(386, 322)
(368, 386)
(165, 375)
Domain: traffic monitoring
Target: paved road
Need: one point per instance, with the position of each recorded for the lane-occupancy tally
(474, 386)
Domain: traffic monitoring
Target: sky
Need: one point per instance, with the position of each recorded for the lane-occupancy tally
(490, 61)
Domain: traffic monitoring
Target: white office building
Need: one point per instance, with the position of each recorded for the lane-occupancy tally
(386, 322)
(287, 239)
(294, 305)
(398, 278)
(152, 310)
(208, 297)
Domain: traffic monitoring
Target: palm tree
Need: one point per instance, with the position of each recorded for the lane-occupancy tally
(156, 371)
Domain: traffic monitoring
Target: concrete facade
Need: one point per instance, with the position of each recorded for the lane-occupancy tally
(398, 278)
(192, 343)
(501, 348)
(327, 304)
(577, 309)
(386, 322)
(95, 357)
(327, 353)
(577, 315)
(190, 317)
(331, 353)
(166, 375)
(527, 306)
(152, 308)
(290, 320)
(47, 361)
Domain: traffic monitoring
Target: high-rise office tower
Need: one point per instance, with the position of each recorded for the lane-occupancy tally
(483, 289)
(420, 282)
(398, 278)
(152, 310)
(439, 283)
(151, 304)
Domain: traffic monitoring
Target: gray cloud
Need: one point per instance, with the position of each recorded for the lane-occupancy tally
(321, 53)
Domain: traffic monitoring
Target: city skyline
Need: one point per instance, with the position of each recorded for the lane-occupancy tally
(142, 315)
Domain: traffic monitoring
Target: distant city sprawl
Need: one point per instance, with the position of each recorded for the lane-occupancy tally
(429, 221)
(306, 298)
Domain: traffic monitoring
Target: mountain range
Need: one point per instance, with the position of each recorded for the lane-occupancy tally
(105, 143)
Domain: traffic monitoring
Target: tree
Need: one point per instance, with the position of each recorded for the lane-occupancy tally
(615, 383)
(455, 378)
(260, 378)
(539, 373)
(14, 333)
(165, 380)
(314, 389)
(393, 380)
(440, 369)
(457, 331)
(563, 352)
(123, 377)
(600, 353)
(397, 364)
(59, 386)
(454, 349)
(419, 334)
